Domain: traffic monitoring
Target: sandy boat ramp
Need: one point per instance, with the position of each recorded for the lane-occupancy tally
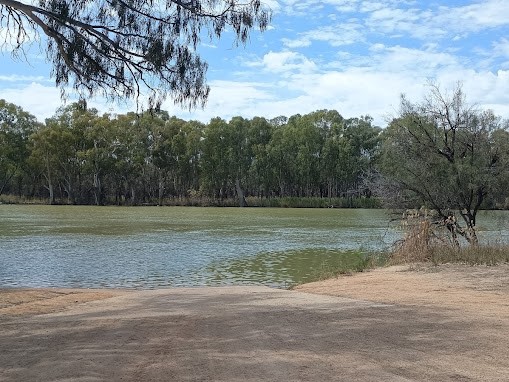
(411, 323)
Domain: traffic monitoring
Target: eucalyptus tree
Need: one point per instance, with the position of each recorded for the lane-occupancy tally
(161, 153)
(99, 154)
(307, 133)
(329, 124)
(130, 134)
(281, 153)
(334, 157)
(240, 153)
(187, 144)
(67, 128)
(16, 125)
(226, 158)
(118, 47)
(362, 148)
(175, 157)
(47, 152)
(260, 177)
(215, 159)
(442, 154)
(61, 151)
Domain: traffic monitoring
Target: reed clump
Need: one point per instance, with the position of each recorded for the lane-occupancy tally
(427, 242)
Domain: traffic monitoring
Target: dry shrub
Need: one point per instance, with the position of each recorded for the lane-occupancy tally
(426, 241)
(416, 245)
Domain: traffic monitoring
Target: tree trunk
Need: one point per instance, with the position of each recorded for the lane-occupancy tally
(133, 196)
(240, 194)
(50, 184)
(454, 228)
(160, 191)
(472, 236)
(51, 193)
(69, 192)
(97, 189)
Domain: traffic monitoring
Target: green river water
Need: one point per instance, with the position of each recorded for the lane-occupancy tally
(150, 247)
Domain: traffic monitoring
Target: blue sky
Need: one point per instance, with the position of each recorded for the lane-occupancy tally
(354, 56)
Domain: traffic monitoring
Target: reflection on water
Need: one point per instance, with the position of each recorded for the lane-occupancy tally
(147, 247)
(285, 268)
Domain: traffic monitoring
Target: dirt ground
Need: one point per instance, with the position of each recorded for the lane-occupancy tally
(411, 323)
(479, 291)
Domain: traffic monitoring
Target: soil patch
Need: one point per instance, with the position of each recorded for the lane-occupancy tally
(18, 302)
(480, 291)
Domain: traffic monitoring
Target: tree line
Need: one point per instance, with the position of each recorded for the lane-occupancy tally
(80, 156)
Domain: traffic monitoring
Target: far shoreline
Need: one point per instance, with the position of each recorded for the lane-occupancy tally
(252, 202)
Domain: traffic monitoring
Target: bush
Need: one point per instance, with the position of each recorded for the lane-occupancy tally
(423, 242)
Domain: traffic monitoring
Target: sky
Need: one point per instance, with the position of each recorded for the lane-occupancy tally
(353, 56)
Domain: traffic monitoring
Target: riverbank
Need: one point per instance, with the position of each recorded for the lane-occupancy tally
(405, 323)
(455, 286)
(479, 290)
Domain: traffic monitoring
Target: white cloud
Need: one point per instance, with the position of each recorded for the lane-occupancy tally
(43, 101)
(429, 23)
(35, 98)
(371, 6)
(284, 63)
(391, 18)
(420, 63)
(22, 78)
(477, 16)
(335, 35)
(353, 92)
(501, 47)
(413, 22)
(228, 99)
(273, 5)
(373, 89)
(300, 42)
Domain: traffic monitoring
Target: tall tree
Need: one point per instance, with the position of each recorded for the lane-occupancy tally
(215, 160)
(116, 47)
(46, 155)
(68, 128)
(363, 141)
(240, 156)
(16, 125)
(99, 155)
(441, 153)
(260, 169)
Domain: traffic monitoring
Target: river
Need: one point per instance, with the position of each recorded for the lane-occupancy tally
(150, 247)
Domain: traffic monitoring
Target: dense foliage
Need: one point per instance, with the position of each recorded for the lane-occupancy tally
(81, 157)
(446, 156)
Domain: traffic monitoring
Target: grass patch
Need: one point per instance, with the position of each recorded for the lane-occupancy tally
(348, 263)
(443, 254)
(478, 255)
